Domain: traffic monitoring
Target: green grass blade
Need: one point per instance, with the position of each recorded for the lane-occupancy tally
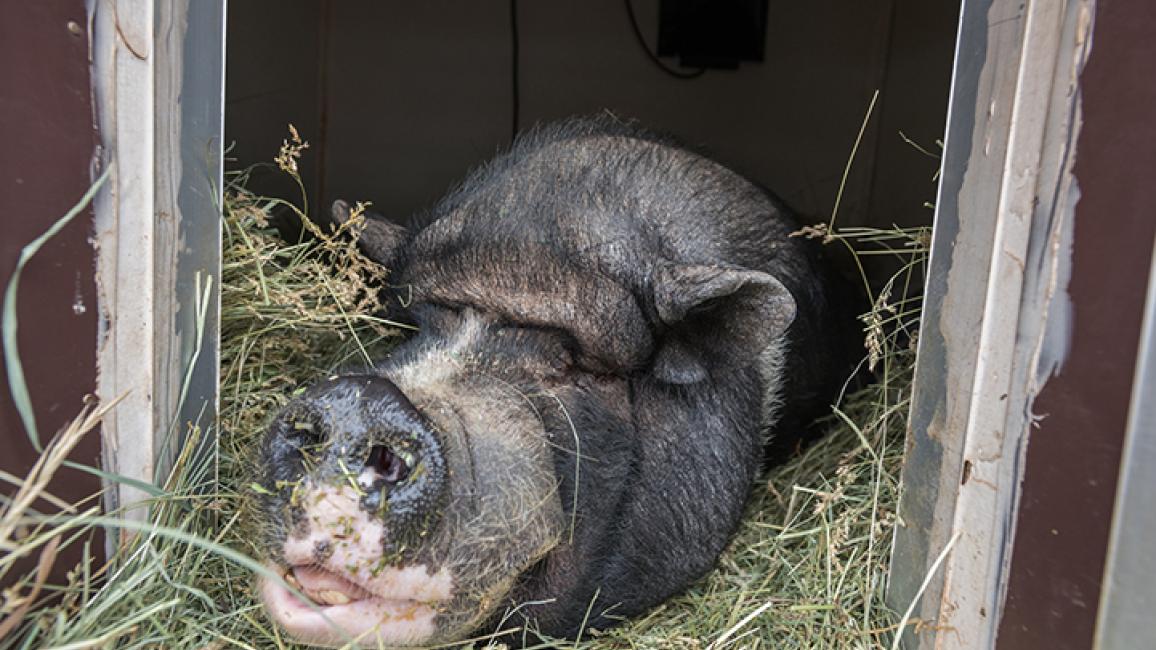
(17, 385)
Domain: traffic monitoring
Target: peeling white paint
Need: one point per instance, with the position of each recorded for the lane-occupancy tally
(124, 79)
(1005, 318)
(145, 346)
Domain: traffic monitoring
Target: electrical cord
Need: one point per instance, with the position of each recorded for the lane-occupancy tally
(514, 68)
(677, 74)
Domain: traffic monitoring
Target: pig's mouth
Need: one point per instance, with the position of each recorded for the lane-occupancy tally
(340, 610)
(324, 588)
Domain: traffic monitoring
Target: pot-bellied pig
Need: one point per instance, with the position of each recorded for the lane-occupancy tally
(609, 329)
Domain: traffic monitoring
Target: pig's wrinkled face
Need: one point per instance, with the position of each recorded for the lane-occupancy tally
(405, 503)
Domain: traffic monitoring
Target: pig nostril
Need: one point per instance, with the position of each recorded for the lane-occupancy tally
(389, 466)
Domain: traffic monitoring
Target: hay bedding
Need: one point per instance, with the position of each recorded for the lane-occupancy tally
(807, 569)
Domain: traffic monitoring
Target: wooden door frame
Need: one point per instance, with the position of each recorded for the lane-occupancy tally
(158, 76)
(1013, 445)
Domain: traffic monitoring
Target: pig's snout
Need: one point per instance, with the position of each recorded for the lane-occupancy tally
(360, 432)
(359, 478)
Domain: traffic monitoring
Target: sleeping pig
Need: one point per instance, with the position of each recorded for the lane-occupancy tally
(610, 329)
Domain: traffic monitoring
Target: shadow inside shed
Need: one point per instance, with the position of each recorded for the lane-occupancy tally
(400, 99)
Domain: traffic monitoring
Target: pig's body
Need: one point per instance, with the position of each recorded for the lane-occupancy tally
(603, 347)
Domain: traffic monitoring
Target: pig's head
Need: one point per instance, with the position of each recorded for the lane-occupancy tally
(406, 517)
(484, 463)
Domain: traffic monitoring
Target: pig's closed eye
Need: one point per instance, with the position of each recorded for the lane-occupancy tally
(556, 345)
(570, 346)
(436, 316)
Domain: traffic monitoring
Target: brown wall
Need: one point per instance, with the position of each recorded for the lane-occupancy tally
(46, 127)
(1073, 455)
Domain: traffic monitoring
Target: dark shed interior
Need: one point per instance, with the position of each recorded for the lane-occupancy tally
(400, 99)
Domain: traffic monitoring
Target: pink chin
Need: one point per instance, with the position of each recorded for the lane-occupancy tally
(368, 621)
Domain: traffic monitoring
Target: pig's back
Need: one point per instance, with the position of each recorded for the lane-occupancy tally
(593, 182)
(616, 200)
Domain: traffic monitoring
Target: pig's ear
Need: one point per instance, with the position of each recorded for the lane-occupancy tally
(381, 240)
(716, 318)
